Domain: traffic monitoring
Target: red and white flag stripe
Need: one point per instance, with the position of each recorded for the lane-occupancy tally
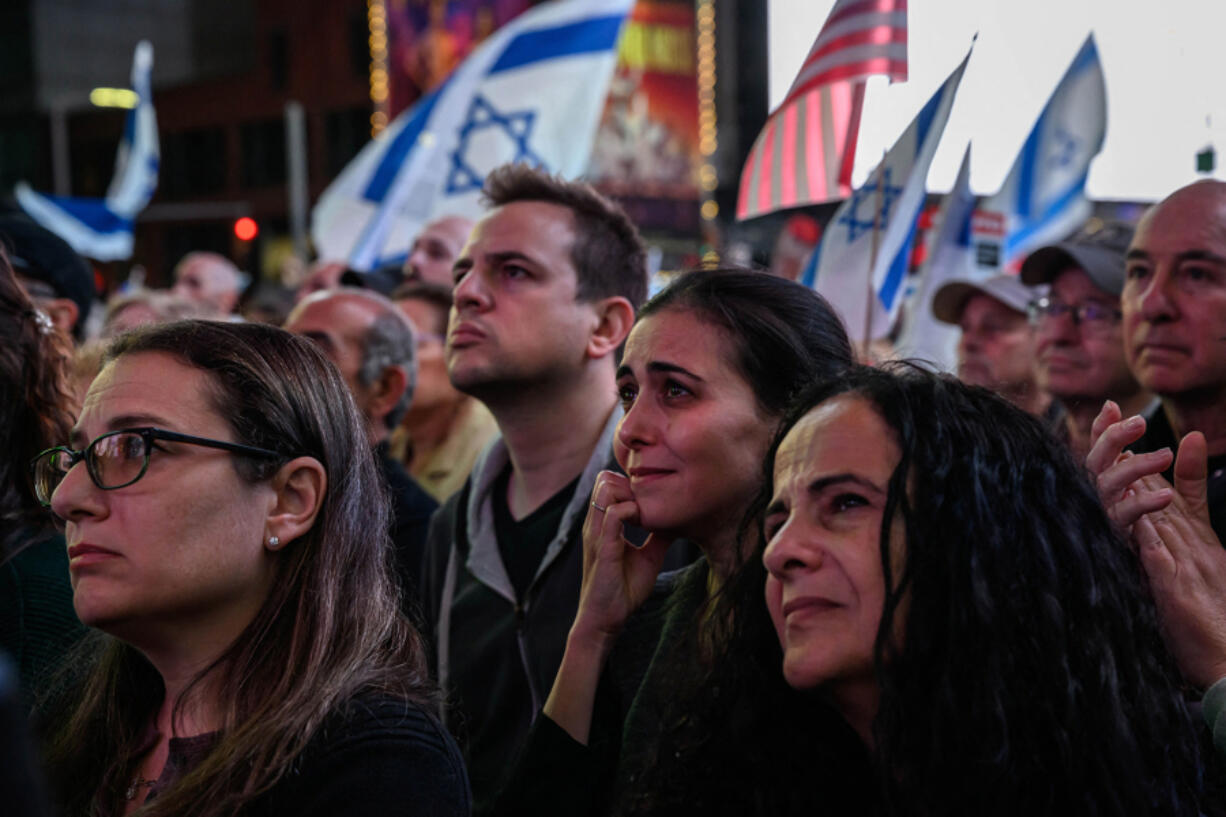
(861, 38)
(805, 153)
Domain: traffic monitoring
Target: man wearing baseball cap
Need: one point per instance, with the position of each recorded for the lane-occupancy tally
(1079, 340)
(58, 281)
(996, 349)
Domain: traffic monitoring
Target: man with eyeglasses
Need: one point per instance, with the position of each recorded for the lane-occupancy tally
(996, 348)
(1079, 341)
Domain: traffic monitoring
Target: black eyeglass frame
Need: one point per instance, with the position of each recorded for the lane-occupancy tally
(1040, 308)
(148, 434)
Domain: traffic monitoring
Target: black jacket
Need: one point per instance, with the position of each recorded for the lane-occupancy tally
(495, 657)
(378, 757)
(411, 509)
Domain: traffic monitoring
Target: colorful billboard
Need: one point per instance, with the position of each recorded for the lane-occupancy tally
(646, 148)
(647, 144)
(428, 38)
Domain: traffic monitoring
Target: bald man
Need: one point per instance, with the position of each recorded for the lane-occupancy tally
(209, 279)
(1174, 305)
(435, 250)
(1174, 322)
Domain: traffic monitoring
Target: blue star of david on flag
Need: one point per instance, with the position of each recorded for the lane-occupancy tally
(1043, 197)
(1064, 149)
(532, 92)
(857, 226)
(482, 116)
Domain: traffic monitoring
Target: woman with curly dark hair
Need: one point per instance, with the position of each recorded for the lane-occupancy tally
(943, 576)
(225, 526)
(37, 623)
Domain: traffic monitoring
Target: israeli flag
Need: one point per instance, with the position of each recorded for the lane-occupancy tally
(102, 228)
(533, 92)
(950, 256)
(869, 237)
(1043, 198)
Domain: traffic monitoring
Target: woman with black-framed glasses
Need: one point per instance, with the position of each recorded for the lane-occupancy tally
(224, 524)
(116, 459)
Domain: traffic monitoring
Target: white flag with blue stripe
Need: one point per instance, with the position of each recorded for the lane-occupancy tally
(1043, 198)
(532, 92)
(102, 228)
(883, 211)
(950, 256)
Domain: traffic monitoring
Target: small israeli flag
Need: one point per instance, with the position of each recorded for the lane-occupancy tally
(533, 92)
(1043, 198)
(882, 212)
(950, 256)
(102, 228)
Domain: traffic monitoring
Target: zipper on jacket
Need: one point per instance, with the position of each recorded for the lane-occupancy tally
(521, 613)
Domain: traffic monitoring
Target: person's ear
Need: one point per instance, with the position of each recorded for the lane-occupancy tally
(63, 313)
(386, 392)
(614, 316)
(298, 494)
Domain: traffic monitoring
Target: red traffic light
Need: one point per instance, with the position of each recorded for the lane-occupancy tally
(246, 229)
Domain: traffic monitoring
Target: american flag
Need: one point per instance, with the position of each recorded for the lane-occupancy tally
(805, 153)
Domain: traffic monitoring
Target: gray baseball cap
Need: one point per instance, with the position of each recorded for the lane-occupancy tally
(1098, 248)
(951, 298)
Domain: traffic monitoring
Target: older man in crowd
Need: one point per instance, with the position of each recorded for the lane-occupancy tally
(435, 249)
(1078, 337)
(428, 261)
(209, 279)
(996, 348)
(372, 345)
(1174, 305)
(1174, 316)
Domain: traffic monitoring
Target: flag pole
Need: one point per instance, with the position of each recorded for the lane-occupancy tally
(872, 257)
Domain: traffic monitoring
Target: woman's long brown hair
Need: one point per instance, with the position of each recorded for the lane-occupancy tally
(330, 628)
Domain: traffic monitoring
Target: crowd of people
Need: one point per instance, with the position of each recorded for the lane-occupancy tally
(496, 533)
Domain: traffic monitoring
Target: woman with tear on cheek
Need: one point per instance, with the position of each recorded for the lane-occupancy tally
(708, 370)
(943, 577)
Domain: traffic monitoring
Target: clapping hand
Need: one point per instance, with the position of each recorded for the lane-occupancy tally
(1182, 556)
